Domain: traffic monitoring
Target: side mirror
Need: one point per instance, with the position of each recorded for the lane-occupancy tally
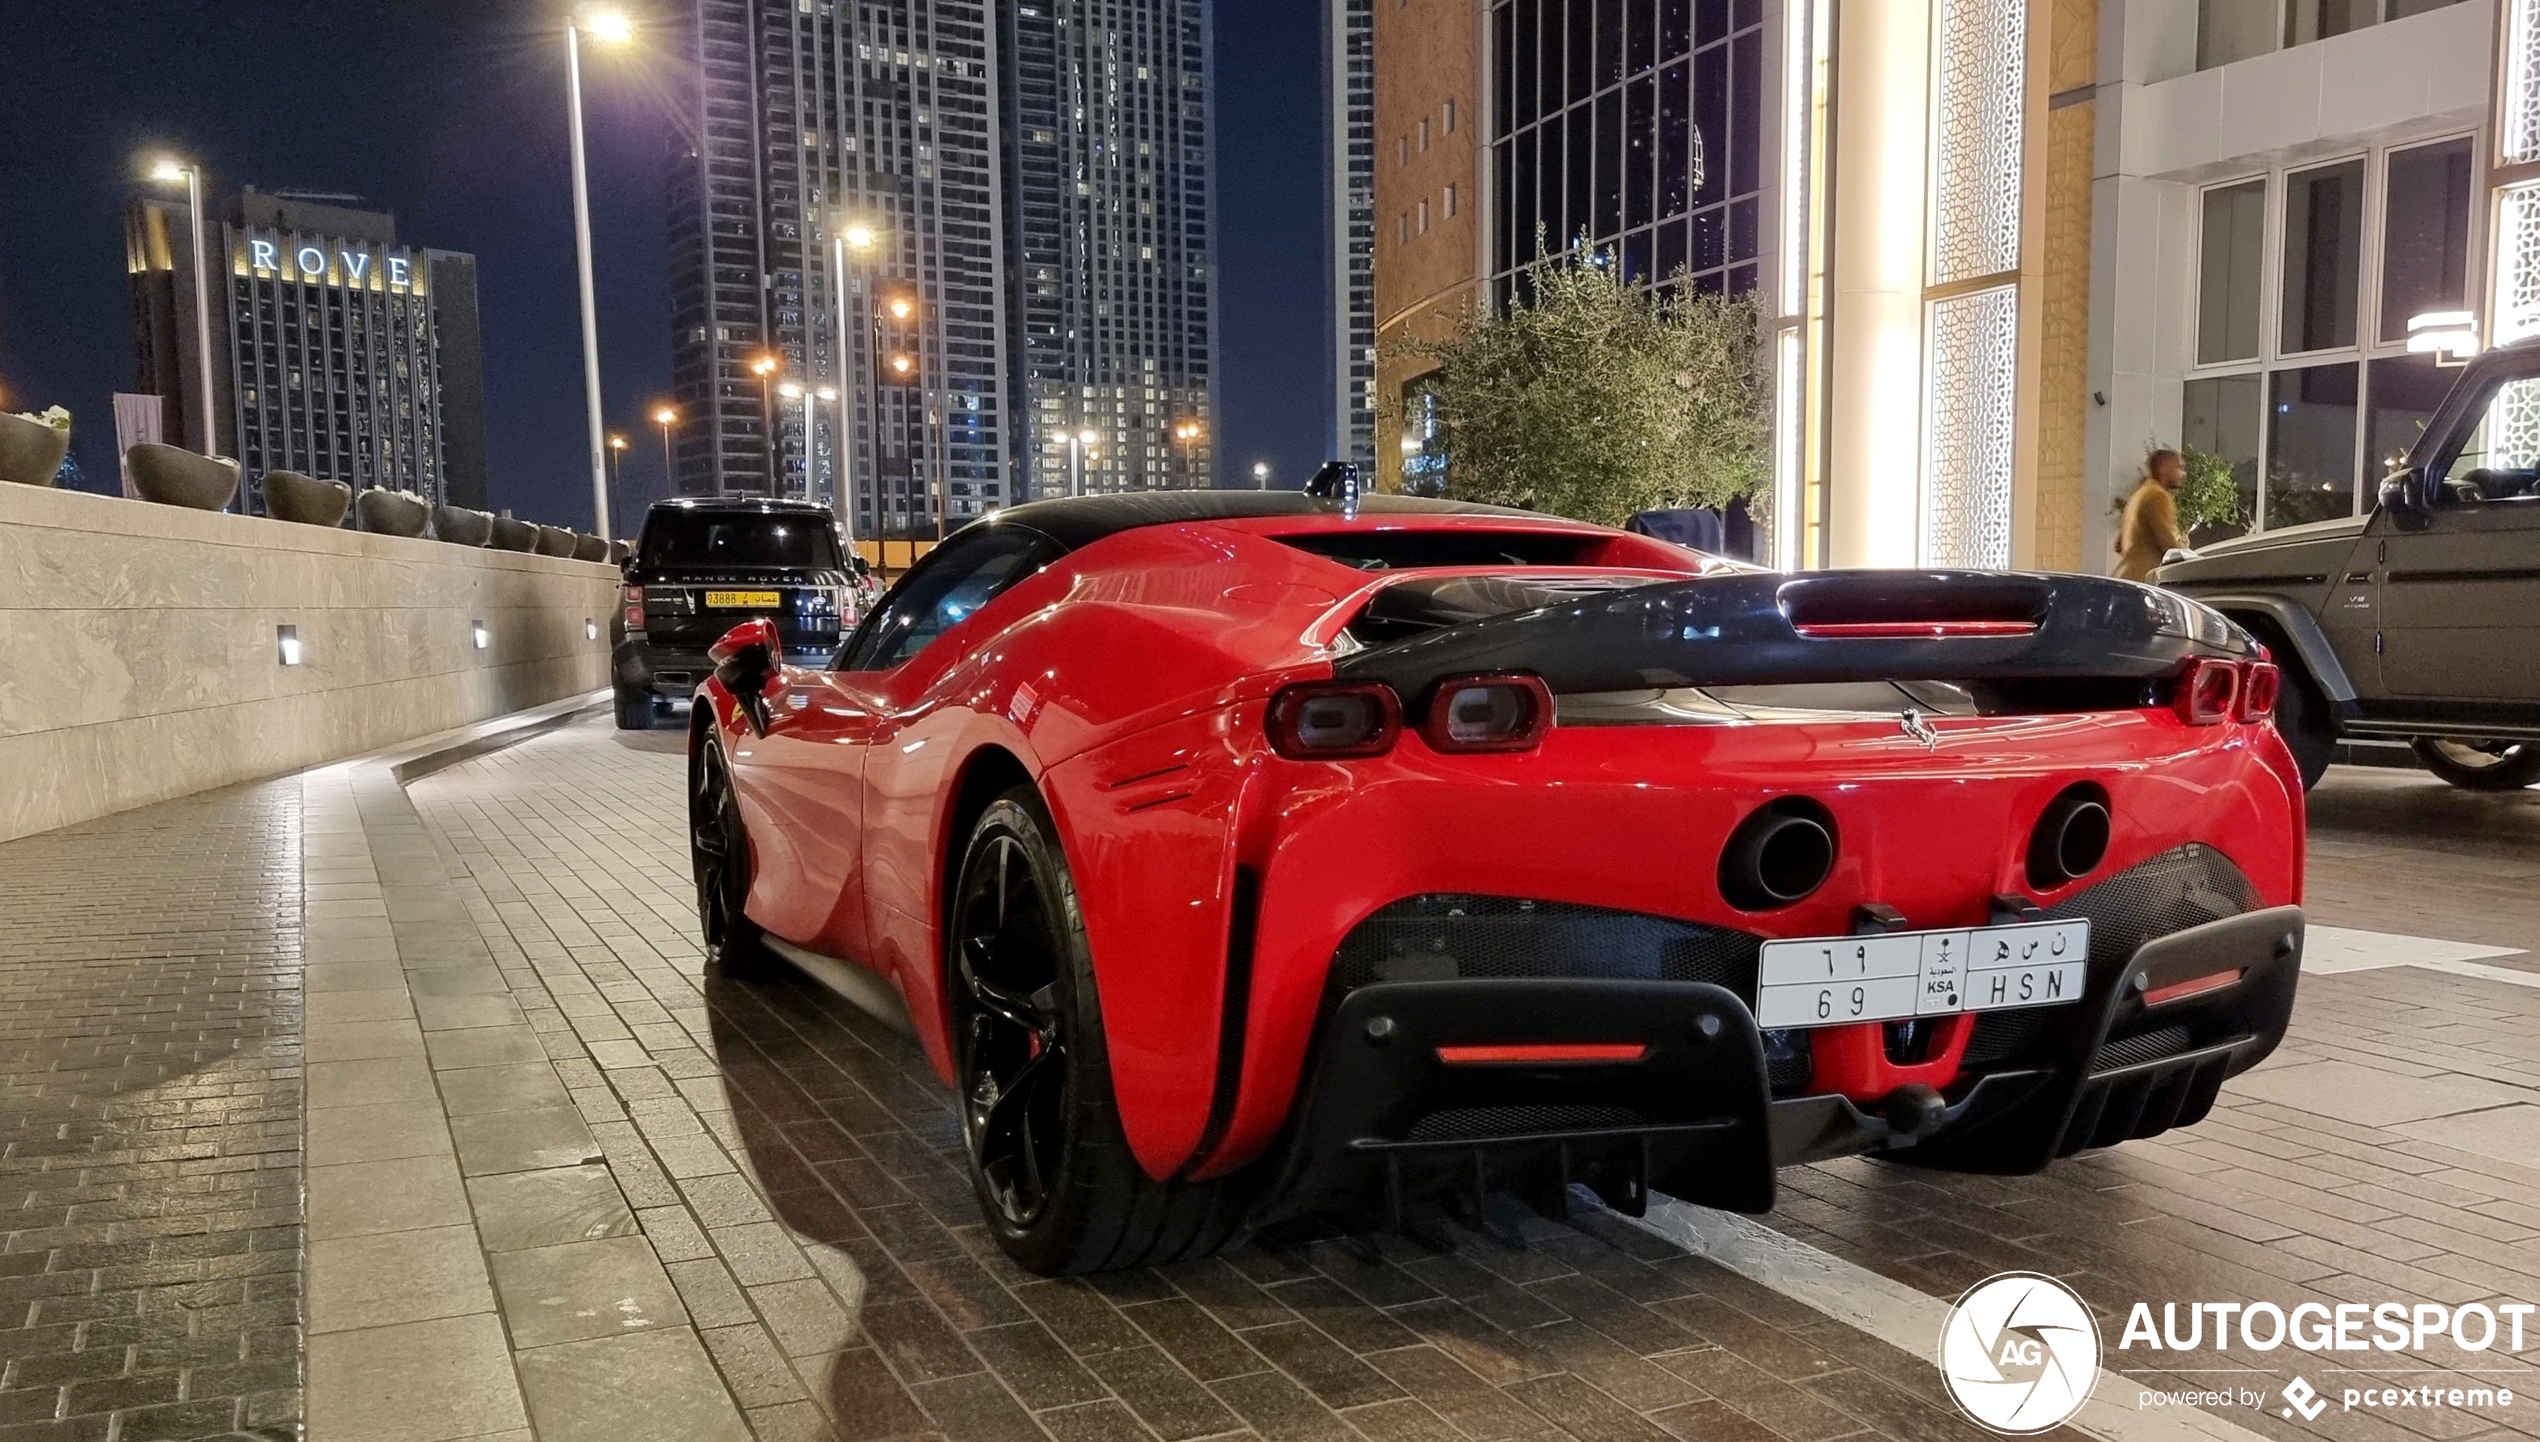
(2403, 495)
(745, 661)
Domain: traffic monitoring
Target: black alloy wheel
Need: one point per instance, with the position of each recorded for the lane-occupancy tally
(719, 849)
(1058, 1185)
(2480, 765)
(1006, 956)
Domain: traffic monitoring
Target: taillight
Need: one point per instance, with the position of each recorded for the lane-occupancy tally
(634, 608)
(1488, 713)
(2260, 684)
(1334, 721)
(2208, 691)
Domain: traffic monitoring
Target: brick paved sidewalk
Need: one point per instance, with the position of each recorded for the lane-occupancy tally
(796, 1171)
(150, 1105)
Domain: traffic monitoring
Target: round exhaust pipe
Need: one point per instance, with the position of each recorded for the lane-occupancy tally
(2071, 838)
(1778, 855)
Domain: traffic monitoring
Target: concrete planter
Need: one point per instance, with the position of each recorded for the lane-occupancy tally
(511, 535)
(392, 513)
(621, 552)
(174, 476)
(555, 541)
(291, 496)
(589, 548)
(30, 451)
(462, 527)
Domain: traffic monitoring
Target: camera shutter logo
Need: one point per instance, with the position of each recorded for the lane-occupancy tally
(2020, 1353)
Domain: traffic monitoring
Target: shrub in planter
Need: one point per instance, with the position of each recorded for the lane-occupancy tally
(32, 447)
(462, 527)
(291, 496)
(392, 513)
(555, 541)
(174, 476)
(512, 535)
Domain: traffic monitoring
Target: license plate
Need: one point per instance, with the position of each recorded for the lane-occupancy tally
(1834, 980)
(742, 600)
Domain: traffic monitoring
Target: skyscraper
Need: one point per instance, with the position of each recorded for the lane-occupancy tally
(961, 235)
(336, 351)
(1112, 308)
(814, 125)
(1349, 141)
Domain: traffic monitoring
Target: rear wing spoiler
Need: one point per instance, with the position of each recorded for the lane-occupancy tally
(1751, 629)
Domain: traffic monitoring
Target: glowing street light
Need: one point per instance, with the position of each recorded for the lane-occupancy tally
(1079, 446)
(609, 27)
(1261, 475)
(665, 417)
(167, 171)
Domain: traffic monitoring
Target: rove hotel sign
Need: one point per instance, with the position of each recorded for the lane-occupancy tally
(319, 262)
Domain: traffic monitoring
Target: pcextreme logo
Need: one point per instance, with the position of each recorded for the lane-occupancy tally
(2019, 1353)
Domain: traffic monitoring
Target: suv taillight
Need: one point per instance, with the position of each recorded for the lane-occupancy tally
(1500, 712)
(634, 608)
(1333, 721)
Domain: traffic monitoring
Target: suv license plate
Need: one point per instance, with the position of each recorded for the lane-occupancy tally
(741, 600)
(1834, 980)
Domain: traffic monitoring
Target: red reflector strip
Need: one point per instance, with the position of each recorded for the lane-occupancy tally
(2197, 987)
(1912, 630)
(1545, 1054)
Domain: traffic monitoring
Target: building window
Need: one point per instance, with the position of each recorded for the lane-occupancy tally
(1450, 115)
(1424, 217)
(2234, 249)
(1450, 202)
(1424, 132)
(2323, 256)
(2229, 30)
(2425, 234)
(2310, 405)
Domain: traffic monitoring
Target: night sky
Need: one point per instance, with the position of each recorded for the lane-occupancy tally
(451, 114)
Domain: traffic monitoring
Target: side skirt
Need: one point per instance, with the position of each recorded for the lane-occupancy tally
(867, 992)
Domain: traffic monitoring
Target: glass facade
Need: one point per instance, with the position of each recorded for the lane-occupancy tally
(1633, 126)
(1110, 243)
(2229, 30)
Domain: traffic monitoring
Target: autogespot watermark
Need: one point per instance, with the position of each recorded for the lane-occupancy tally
(2021, 1353)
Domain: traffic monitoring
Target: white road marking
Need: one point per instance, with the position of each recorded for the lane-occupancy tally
(2330, 950)
(1899, 1315)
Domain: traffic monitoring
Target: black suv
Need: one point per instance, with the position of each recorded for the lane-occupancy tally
(2421, 621)
(705, 566)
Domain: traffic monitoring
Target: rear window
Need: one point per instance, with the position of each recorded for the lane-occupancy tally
(749, 542)
(1408, 550)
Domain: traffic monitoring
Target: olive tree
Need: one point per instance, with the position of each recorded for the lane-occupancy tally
(1593, 397)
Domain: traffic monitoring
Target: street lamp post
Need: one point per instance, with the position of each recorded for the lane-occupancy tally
(174, 170)
(665, 417)
(1261, 475)
(1185, 432)
(617, 457)
(860, 238)
(1079, 445)
(609, 27)
(765, 367)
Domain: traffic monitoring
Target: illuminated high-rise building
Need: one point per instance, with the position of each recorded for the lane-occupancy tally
(1110, 242)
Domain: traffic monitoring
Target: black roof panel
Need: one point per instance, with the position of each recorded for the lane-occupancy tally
(1077, 521)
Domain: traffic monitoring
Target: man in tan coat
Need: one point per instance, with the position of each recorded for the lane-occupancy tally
(2150, 528)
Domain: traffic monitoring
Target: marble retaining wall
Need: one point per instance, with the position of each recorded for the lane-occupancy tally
(138, 655)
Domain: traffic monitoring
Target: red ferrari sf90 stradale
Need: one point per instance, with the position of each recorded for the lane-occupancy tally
(1238, 855)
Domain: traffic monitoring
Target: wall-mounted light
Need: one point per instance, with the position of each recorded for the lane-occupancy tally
(2450, 336)
(590, 629)
(286, 645)
(484, 637)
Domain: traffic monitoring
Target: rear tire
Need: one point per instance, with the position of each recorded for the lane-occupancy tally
(1056, 1181)
(2480, 765)
(634, 710)
(719, 852)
